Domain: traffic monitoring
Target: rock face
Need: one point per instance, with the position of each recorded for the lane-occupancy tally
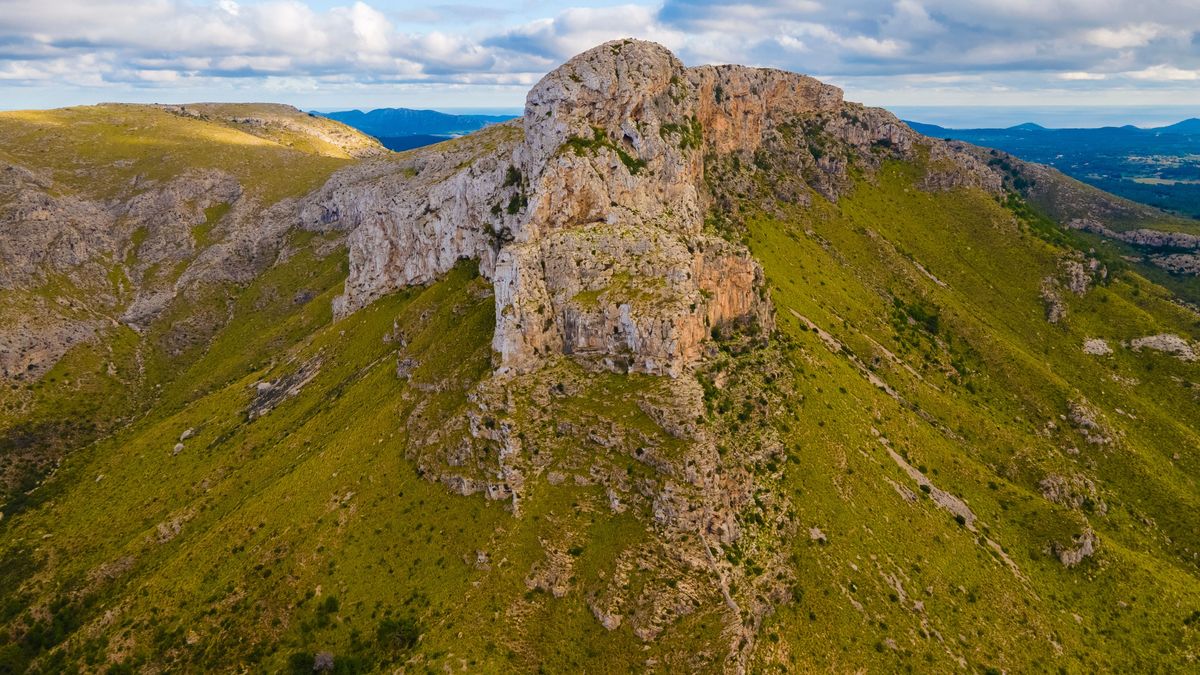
(609, 262)
(590, 221)
(57, 242)
(588, 214)
(411, 219)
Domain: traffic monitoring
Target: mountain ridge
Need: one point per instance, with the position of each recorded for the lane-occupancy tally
(399, 122)
(1154, 166)
(1189, 125)
(696, 369)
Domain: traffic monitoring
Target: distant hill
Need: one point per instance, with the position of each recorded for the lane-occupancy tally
(1154, 166)
(1188, 126)
(400, 122)
(402, 143)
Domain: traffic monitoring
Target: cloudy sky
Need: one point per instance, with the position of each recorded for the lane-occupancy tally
(327, 54)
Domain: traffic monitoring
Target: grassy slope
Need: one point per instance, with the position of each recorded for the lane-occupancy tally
(1126, 608)
(289, 127)
(98, 151)
(311, 501)
(225, 556)
(109, 153)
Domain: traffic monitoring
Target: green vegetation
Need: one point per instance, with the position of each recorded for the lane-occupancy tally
(691, 133)
(978, 375)
(599, 141)
(212, 216)
(1153, 166)
(104, 152)
(251, 484)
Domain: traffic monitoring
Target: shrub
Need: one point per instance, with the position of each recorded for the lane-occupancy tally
(301, 663)
(330, 606)
(398, 634)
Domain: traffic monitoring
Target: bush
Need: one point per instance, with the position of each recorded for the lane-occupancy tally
(398, 634)
(330, 606)
(301, 663)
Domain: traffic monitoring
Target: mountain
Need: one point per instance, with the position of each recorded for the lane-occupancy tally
(402, 143)
(1189, 127)
(1158, 167)
(401, 122)
(688, 369)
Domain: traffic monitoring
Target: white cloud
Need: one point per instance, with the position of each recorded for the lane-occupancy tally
(575, 30)
(1165, 73)
(1123, 38)
(1002, 44)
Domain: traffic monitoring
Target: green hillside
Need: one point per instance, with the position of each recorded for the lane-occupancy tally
(101, 151)
(928, 473)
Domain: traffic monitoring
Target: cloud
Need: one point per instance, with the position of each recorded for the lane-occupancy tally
(577, 29)
(875, 37)
(1123, 38)
(992, 45)
(157, 42)
(1165, 73)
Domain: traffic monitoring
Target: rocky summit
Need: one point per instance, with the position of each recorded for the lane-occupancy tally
(685, 370)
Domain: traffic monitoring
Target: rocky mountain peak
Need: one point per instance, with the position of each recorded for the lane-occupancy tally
(617, 86)
(636, 100)
(591, 221)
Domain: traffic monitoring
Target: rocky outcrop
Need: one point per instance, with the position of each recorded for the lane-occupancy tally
(1167, 344)
(609, 262)
(1083, 546)
(1076, 274)
(1172, 251)
(1178, 263)
(1077, 492)
(412, 217)
(1143, 237)
(588, 214)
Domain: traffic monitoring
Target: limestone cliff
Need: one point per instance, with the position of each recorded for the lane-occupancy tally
(589, 214)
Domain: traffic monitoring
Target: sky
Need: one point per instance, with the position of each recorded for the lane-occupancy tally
(338, 54)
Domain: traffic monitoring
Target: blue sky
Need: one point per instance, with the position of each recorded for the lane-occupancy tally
(373, 53)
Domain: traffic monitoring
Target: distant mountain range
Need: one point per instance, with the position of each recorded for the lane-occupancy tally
(1158, 166)
(405, 128)
(1188, 127)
